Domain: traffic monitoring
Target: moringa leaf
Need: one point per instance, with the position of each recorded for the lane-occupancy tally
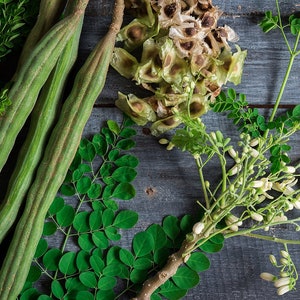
(67, 263)
(186, 278)
(126, 219)
(143, 243)
(198, 262)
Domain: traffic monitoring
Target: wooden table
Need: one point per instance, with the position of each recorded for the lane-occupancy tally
(172, 177)
(167, 182)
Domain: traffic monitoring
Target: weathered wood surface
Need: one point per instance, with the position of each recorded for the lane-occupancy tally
(167, 182)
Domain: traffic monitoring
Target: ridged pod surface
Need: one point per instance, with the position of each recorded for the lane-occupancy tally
(59, 153)
(31, 78)
(42, 119)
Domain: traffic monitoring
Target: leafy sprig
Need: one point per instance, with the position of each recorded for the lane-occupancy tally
(16, 19)
(85, 217)
(4, 100)
(252, 122)
(86, 211)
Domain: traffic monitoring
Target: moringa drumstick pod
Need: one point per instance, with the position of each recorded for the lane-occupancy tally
(59, 153)
(42, 119)
(31, 78)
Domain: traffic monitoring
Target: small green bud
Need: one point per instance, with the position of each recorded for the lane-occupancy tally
(256, 216)
(232, 153)
(282, 281)
(254, 142)
(253, 152)
(284, 254)
(190, 237)
(283, 290)
(170, 146)
(284, 274)
(163, 141)
(284, 261)
(213, 136)
(198, 227)
(219, 136)
(234, 170)
(267, 276)
(273, 260)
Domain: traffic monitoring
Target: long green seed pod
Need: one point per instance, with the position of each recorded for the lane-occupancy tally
(59, 154)
(42, 119)
(32, 76)
(49, 13)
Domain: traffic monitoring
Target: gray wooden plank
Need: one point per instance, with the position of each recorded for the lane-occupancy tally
(167, 181)
(237, 8)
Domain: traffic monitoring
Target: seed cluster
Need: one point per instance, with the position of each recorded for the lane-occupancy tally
(185, 60)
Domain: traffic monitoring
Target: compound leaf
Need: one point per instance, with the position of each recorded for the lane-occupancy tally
(81, 221)
(127, 160)
(171, 291)
(97, 264)
(49, 228)
(41, 248)
(82, 260)
(159, 236)
(100, 240)
(83, 185)
(126, 257)
(124, 174)
(56, 206)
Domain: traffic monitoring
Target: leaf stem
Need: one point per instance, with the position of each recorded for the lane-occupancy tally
(272, 239)
(281, 27)
(248, 231)
(200, 171)
(293, 53)
(283, 85)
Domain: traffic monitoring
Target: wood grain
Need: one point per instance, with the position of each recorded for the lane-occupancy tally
(168, 182)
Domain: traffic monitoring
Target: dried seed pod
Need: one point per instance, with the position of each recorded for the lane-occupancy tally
(148, 73)
(197, 106)
(169, 13)
(141, 9)
(135, 34)
(136, 108)
(164, 125)
(174, 68)
(202, 7)
(124, 63)
(184, 52)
